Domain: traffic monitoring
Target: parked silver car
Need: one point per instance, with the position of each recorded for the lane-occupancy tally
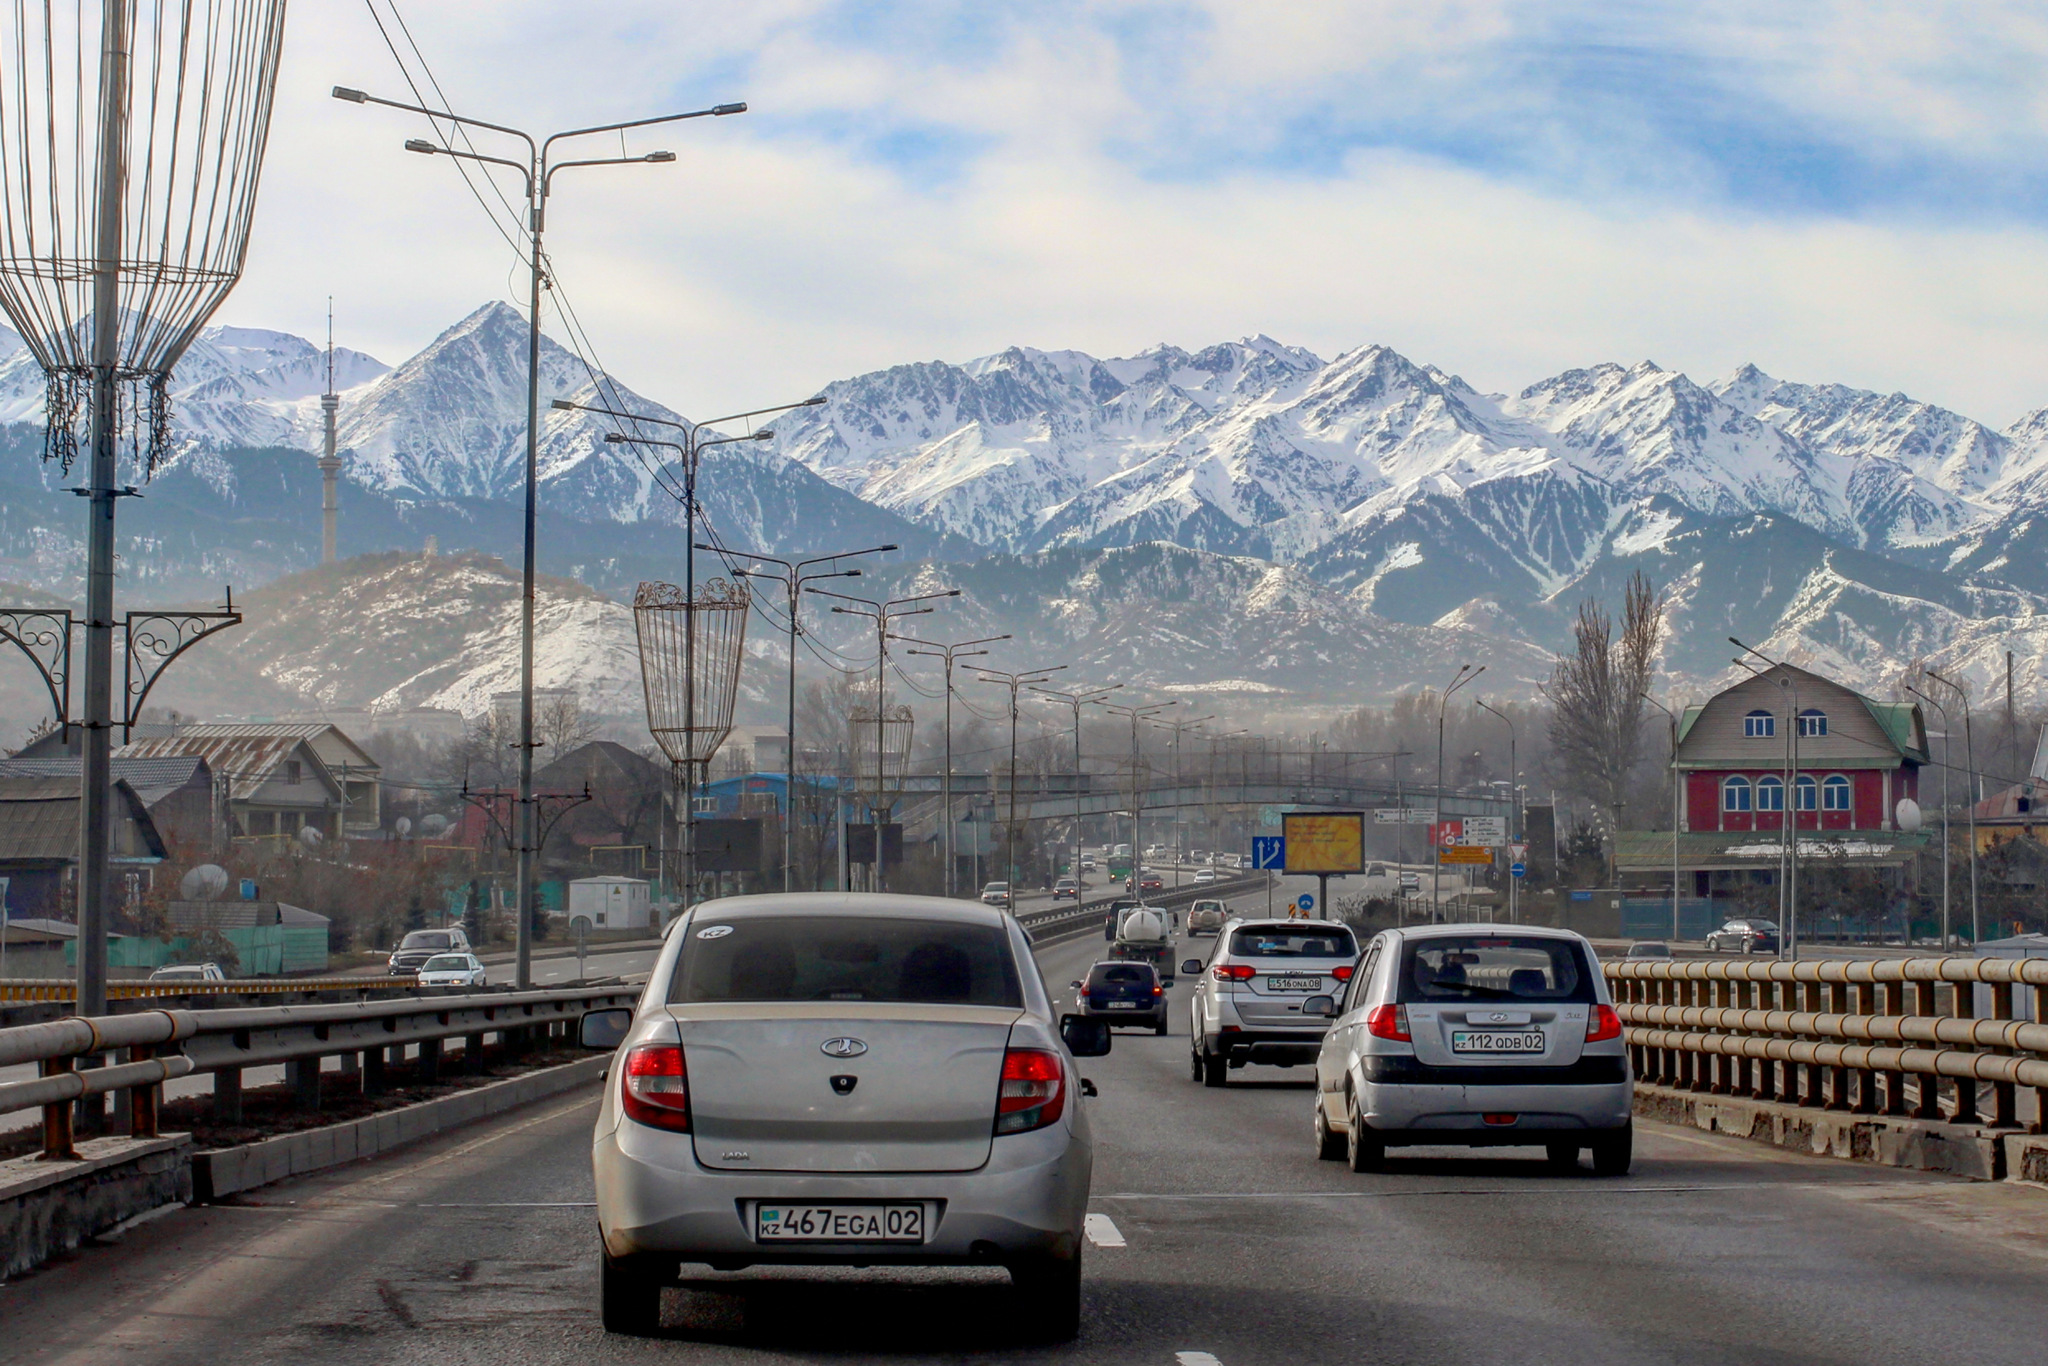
(1474, 1035)
(1248, 1006)
(843, 1079)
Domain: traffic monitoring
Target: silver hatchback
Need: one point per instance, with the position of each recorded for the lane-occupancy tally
(828, 1078)
(1474, 1035)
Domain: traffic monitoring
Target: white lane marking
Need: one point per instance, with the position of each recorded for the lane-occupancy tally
(1196, 1359)
(1102, 1231)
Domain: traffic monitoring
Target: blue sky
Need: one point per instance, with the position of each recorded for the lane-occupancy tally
(1847, 192)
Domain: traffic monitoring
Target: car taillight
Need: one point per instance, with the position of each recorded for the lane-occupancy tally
(1342, 974)
(656, 1090)
(1602, 1024)
(1234, 972)
(1159, 991)
(1388, 1022)
(1033, 1092)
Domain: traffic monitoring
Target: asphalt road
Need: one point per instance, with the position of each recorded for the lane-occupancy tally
(1220, 1234)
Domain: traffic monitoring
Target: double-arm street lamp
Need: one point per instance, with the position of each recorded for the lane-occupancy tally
(1947, 739)
(1015, 682)
(948, 653)
(1466, 673)
(1076, 700)
(1970, 795)
(539, 173)
(1180, 844)
(1136, 714)
(1675, 779)
(1788, 822)
(882, 613)
(1515, 816)
(793, 576)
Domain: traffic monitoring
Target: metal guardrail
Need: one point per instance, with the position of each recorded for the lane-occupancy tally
(145, 989)
(149, 1047)
(1917, 1037)
(1055, 922)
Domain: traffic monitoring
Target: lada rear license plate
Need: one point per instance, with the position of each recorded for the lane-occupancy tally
(838, 1223)
(1294, 983)
(1123, 1005)
(1496, 1041)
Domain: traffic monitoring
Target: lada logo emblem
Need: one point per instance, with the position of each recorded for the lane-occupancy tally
(842, 1048)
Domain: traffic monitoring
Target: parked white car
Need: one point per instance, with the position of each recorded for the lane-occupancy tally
(189, 972)
(844, 1080)
(453, 970)
(1477, 1036)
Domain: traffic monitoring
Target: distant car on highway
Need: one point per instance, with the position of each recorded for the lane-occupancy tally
(1473, 1035)
(1206, 917)
(1745, 935)
(1124, 992)
(1248, 1006)
(1649, 949)
(417, 947)
(189, 972)
(1066, 889)
(1204, 876)
(995, 894)
(850, 1080)
(1149, 881)
(453, 970)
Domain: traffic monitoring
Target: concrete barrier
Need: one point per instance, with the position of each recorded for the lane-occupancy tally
(51, 1207)
(1968, 1150)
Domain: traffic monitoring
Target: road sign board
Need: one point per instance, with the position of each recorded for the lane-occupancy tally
(1324, 841)
(1403, 815)
(1307, 901)
(1269, 851)
(1486, 831)
(1519, 869)
(1463, 853)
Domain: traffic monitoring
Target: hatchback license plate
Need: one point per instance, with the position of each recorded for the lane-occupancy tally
(1490, 1041)
(1123, 1005)
(839, 1223)
(1294, 983)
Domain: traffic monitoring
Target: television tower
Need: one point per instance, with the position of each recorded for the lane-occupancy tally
(330, 463)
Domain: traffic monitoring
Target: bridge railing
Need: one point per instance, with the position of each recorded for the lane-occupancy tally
(1921, 1037)
(142, 1050)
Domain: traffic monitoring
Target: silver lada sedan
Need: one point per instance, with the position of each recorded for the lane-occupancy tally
(850, 1079)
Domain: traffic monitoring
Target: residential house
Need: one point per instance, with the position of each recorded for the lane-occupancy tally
(177, 790)
(362, 810)
(276, 785)
(39, 841)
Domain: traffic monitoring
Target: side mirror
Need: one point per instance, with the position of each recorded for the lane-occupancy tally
(605, 1029)
(1192, 967)
(1325, 1006)
(1085, 1037)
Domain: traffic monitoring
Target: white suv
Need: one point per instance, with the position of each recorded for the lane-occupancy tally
(1248, 1007)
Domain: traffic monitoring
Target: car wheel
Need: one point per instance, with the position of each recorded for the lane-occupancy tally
(1050, 1288)
(1329, 1145)
(1159, 1026)
(1215, 1070)
(1195, 1059)
(1364, 1150)
(1613, 1151)
(630, 1300)
(1561, 1154)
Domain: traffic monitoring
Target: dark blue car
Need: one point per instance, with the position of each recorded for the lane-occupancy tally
(1124, 993)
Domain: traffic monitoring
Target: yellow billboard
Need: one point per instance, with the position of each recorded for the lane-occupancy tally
(1324, 841)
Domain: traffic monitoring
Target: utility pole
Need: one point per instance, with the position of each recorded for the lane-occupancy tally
(1973, 795)
(1789, 823)
(882, 613)
(1515, 812)
(1014, 682)
(1947, 733)
(1137, 714)
(1180, 842)
(1466, 673)
(949, 653)
(1078, 699)
(539, 174)
(1675, 779)
(793, 578)
(329, 463)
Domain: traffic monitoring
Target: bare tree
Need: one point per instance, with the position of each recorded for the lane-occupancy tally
(1596, 695)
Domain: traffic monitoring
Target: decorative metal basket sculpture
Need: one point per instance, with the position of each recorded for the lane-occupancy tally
(881, 754)
(690, 655)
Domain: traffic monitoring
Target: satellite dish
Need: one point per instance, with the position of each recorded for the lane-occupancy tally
(433, 825)
(203, 883)
(403, 826)
(1909, 815)
(310, 836)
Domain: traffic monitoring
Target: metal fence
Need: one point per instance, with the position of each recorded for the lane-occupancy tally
(66, 988)
(1931, 1038)
(141, 1051)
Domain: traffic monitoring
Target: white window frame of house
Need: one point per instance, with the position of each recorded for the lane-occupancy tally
(1813, 724)
(1759, 725)
(1731, 785)
(1807, 792)
(1837, 786)
(1774, 785)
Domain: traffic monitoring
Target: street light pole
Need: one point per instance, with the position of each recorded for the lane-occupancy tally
(1180, 843)
(1466, 673)
(793, 578)
(1514, 809)
(1137, 714)
(1971, 795)
(949, 653)
(1077, 699)
(1015, 681)
(882, 613)
(1674, 808)
(539, 175)
(1947, 738)
(1788, 941)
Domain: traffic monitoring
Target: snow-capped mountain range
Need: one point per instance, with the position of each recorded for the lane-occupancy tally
(1853, 530)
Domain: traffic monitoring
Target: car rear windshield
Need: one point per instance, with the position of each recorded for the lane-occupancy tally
(1103, 974)
(428, 939)
(1495, 967)
(844, 958)
(447, 962)
(1320, 941)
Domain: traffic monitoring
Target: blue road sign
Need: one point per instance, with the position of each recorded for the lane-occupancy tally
(1269, 851)
(1307, 901)
(1519, 869)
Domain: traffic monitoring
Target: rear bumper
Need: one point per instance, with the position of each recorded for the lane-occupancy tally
(1444, 1113)
(1268, 1047)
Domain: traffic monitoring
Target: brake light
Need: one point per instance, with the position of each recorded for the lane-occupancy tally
(1033, 1092)
(657, 1086)
(1342, 974)
(1389, 1022)
(1234, 972)
(1159, 991)
(1602, 1024)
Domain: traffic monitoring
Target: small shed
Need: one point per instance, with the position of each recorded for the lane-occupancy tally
(39, 839)
(611, 903)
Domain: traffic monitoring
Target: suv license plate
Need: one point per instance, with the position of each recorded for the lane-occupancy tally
(838, 1223)
(1294, 984)
(1471, 1041)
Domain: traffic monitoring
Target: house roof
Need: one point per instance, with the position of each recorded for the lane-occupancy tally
(247, 761)
(328, 740)
(1899, 722)
(153, 779)
(233, 915)
(30, 929)
(39, 823)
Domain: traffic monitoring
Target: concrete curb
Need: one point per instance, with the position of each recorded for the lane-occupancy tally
(51, 1207)
(225, 1171)
(1966, 1150)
